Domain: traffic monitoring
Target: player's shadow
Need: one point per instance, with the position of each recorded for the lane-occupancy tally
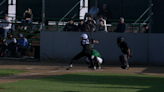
(132, 82)
(154, 69)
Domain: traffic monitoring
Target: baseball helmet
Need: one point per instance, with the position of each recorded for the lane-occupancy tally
(119, 40)
(84, 36)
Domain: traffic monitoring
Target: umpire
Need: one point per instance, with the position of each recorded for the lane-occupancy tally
(127, 53)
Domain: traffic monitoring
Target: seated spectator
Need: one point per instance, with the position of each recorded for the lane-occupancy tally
(28, 18)
(121, 27)
(105, 12)
(81, 26)
(94, 10)
(45, 22)
(103, 20)
(5, 26)
(9, 48)
(101, 27)
(22, 45)
(90, 19)
(146, 28)
(70, 26)
(90, 27)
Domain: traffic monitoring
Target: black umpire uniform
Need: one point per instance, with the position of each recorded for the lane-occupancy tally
(86, 51)
(127, 53)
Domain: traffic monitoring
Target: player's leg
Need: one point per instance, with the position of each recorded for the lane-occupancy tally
(87, 60)
(92, 65)
(74, 59)
(99, 62)
(124, 61)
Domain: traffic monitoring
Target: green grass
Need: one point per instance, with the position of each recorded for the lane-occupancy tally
(5, 72)
(89, 82)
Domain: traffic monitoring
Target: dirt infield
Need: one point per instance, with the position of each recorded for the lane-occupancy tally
(40, 69)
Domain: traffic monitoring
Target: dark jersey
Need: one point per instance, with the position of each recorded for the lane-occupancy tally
(27, 15)
(69, 27)
(124, 47)
(101, 28)
(121, 28)
(87, 45)
(81, 27)
(104, 12)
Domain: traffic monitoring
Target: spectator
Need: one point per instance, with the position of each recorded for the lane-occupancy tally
(5, 26)
(104, 12)
(90, 19)
(70, 26)
(101, 27)
(94, 10)
(45, 22)
(121, 27)
(90, 26)
(81, 26)
(103, 20)
(9, 47)
(146, 28)
(28, 18)
(22, 45)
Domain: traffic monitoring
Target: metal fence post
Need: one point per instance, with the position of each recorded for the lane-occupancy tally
(96, 9)
(150, 14)
(57, 23)
(43, 14)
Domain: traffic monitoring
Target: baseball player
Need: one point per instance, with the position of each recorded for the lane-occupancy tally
(97, 59)
(126, 52)
(86, 51)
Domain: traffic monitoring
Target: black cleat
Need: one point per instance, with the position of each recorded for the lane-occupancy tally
(70, 66)
(124, 67)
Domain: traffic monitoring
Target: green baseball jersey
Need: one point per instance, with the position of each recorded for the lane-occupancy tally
(96, 53)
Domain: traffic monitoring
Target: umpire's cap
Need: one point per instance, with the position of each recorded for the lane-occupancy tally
(119, 39)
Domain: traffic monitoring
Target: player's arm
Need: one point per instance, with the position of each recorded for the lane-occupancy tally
(95, 41)
(128, 53)
(128, 50)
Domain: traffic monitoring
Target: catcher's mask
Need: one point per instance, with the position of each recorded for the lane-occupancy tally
(119, 40)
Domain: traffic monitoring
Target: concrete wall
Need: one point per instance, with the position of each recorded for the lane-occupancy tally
(63, 46)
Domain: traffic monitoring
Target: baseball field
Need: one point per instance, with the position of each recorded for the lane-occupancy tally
(18, 76)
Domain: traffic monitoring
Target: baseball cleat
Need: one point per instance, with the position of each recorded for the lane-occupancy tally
(94, 68)
(124, 67)
(99, 67)
(70, 66)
